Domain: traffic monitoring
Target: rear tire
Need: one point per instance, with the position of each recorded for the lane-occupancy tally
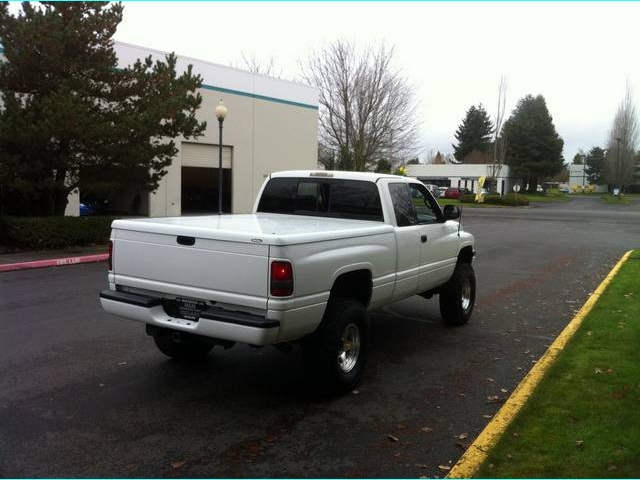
(181, 346)
(458, 296)
(335, 354)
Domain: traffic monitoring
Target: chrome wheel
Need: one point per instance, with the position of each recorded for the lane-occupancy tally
(349, 348)
(465, 294)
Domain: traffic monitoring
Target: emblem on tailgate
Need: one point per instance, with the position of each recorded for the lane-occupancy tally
(256, 240)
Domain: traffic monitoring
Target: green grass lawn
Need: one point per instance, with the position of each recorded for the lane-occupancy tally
(619, 199)
(455, 201)
(583, 420)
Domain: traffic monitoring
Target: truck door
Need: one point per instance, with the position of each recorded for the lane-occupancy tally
(438, 242)
(407, 242)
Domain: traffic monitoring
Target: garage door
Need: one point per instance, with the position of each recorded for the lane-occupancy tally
(204, 155)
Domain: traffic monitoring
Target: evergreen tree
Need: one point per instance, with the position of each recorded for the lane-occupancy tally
(474, 133)
(534, 148)
(595, 166)
(72, 118)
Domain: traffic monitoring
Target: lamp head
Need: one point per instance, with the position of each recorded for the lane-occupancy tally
(221, 111)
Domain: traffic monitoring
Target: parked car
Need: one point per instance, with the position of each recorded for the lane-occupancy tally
(441, 190)
(86, 209)
(564, 188)
(456, 192)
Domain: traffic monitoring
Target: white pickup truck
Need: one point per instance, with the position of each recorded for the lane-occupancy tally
(320, 249)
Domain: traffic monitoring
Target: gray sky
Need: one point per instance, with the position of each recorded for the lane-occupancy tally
(578, 55)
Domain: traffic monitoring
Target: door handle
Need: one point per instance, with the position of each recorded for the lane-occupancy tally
(423, 238)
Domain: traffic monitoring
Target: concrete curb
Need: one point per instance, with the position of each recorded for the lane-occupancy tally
(479, 450)
(54, 262)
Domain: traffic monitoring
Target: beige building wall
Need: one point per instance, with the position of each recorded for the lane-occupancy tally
(271, 125)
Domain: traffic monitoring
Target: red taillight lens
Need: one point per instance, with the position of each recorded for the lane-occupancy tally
(281, 279)
(110, 259)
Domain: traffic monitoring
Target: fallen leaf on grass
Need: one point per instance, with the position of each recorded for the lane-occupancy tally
(597, 370)
(612, 467)
(393, 438)
(579, 443)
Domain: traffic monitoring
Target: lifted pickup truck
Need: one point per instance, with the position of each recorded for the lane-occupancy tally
(320, 249)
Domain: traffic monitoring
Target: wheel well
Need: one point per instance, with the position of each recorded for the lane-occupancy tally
(465, 255)
(355, 285)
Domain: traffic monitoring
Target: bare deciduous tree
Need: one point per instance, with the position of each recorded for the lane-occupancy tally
(497, 157)
(621, 146)
(367, 108)
(254, 65)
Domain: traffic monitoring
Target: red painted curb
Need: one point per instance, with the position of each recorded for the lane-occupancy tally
(54, 262)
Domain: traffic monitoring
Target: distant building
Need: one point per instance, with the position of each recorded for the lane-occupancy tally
(461, 175)
(578, 179)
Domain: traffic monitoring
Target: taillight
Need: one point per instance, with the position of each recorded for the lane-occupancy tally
(110, 259)
(281, 279)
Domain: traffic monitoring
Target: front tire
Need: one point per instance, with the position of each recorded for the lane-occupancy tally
(181, 346)
(335, 354)
(458, 296)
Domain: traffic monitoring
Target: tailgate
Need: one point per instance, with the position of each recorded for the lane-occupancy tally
(219, 270)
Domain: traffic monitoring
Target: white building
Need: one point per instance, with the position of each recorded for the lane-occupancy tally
(578, 179)
(271, 125)
(461, 175)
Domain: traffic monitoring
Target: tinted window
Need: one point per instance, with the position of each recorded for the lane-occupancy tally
(358, 200)
(402, 204)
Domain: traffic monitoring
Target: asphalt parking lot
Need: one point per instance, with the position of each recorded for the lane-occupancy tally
(83, 394)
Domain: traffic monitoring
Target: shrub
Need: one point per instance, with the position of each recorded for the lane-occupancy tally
(54, 232)
(513, 199)
(468, 198)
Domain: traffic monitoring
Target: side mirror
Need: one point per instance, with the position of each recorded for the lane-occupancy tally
(451, 212)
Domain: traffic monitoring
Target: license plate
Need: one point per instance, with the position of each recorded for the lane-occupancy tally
(189, 309)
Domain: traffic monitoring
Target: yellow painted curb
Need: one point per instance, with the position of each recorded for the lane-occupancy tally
(477, 453)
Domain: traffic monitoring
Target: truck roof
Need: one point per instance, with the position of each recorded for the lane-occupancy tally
(366, 176)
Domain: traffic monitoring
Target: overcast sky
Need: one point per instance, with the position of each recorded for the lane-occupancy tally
(577, 55)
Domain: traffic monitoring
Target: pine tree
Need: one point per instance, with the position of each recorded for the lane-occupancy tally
(534, 148)
(72, 118)
(474, 133)
(595, 166)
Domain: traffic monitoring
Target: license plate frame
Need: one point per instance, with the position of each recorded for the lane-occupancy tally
(189, 309)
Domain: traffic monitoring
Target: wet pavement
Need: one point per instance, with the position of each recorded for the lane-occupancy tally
(84, 394)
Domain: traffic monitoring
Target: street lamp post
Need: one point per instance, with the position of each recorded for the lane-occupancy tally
(618, 169)
(221, 113)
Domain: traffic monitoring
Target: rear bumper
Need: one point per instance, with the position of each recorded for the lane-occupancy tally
(233, 326)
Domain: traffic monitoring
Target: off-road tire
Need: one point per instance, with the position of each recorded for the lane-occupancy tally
(458, 296)
(335, 354)
(188, 347)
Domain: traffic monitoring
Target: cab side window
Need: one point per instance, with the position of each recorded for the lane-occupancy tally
(427, 209)
(402, 204)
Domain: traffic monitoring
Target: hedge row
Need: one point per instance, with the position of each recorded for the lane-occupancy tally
(510, 199)
(54, 232)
